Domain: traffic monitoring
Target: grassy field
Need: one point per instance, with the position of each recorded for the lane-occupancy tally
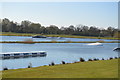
(67, 36)
(89, 69)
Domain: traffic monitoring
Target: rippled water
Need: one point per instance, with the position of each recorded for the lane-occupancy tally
(56, 52)
(22, 38)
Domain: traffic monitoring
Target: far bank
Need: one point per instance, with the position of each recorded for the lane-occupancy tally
(53, 35)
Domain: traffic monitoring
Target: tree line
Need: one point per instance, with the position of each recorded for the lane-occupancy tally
(82, 30)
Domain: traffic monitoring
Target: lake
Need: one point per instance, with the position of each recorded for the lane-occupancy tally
(23, 38)
(56, 52)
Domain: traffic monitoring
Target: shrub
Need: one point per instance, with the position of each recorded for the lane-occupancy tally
(76, 62)
(52, 63)
(116, 58)
(5, 68)
(90, 60)
(103, 59)
(82, 60)
(95, 59)
(63, 62)
(110, 58)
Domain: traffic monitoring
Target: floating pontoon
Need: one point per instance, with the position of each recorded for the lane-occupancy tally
(22, 54)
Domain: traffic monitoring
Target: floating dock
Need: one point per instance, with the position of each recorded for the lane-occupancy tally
(22, 54)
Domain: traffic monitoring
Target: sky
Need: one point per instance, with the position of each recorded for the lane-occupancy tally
(99, 14)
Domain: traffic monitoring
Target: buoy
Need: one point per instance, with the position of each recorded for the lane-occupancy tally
(97, 43)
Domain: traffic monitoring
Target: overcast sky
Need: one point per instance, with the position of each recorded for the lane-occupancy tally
(99, 14)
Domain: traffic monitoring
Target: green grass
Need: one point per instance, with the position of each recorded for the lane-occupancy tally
(52, 35)
(93, 69)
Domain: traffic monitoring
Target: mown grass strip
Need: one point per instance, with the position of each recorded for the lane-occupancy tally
(89, 69)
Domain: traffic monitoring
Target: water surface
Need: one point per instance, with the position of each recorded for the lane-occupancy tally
(23, 38)
(57, 52)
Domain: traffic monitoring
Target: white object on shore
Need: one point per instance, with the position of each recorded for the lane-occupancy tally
(97, 43)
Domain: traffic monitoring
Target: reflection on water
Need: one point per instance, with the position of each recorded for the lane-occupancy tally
(57, 52)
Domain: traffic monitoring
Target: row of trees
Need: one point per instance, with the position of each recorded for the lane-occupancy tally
(82, 30)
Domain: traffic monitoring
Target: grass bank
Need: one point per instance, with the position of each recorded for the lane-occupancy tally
(89, 69)
(67, 36)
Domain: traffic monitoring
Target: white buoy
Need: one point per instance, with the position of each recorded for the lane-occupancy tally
(97, 43)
